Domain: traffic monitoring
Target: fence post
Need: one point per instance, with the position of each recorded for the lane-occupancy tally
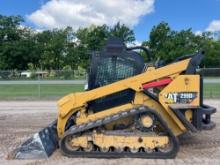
(39, 87)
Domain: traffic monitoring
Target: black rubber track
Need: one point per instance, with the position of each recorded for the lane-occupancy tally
(97, 154)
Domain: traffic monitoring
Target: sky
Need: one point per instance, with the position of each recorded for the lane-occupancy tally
(139, 15)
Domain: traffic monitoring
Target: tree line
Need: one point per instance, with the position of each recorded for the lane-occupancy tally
(23, 48)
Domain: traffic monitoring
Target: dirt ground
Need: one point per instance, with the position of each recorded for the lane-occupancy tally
(18, 120)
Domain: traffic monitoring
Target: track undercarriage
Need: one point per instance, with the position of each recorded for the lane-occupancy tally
(147, 136)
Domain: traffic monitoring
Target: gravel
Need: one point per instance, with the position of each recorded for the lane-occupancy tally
(19, 120)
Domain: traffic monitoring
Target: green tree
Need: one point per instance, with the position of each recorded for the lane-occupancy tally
(212, 53)
(169, 44)
(23, 48)
(93, 37)
(9, 28)
(89, 39)
(123, 32)
(51, 47)
(15, 43)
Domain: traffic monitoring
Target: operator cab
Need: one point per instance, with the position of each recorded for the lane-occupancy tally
(113, 63)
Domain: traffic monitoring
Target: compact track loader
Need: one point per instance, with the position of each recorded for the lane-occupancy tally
(130, 109)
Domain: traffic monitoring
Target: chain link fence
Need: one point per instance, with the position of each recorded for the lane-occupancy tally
(53, 84)
(37, 85)
(211, 72)
(42, 75)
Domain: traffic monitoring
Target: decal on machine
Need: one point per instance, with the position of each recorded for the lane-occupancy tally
(180, 97)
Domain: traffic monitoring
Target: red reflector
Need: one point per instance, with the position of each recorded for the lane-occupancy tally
(157, 83)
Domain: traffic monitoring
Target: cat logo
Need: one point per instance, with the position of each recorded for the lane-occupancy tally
(171, 97)
(180, 97)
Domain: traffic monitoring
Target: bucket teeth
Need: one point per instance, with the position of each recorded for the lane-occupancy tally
(40, 146)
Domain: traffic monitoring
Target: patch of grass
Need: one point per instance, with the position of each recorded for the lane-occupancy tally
(216, 77)
(54, 92)
(212, 90)
(30, 92)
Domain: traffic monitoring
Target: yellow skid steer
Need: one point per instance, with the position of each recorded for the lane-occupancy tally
(130, 109)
